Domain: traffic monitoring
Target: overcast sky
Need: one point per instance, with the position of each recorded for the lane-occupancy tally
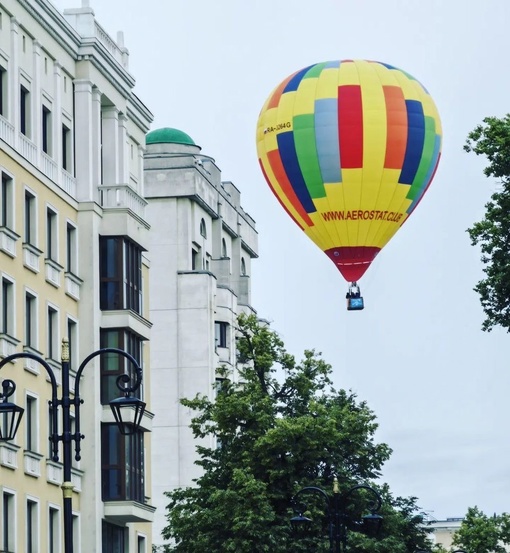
(438, 384)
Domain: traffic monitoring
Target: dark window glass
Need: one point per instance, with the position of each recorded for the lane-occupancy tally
(51, 235)
(7, 307)
(220, 331)
(121, 274)
(29, 319)
(46, 129)
(29, 218)
(122, 463)
(66, 148)
(113, 365)
(3, 91)
(114, 538)
(6, 212)
(23, 110)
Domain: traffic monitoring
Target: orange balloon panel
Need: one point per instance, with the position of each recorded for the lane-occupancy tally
(349, 148)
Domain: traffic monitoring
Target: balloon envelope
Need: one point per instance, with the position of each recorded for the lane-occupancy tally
(349, 148)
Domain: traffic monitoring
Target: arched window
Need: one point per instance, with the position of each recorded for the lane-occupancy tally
(203, 229)
(224, 252)
(243, 267)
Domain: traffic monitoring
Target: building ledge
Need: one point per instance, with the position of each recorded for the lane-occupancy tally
(122, 512)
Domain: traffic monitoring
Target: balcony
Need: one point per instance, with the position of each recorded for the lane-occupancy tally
(32, 463)
(53, 272)
(8, 240)
(122, 196)
(122, 512)
(31, 256)
(8, 455)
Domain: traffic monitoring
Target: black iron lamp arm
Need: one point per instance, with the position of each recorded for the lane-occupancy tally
(122, 384)
(374, 505)
(54, 438)
(301, 507)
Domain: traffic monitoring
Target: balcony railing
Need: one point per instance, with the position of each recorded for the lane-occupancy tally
(6, 131)
(27, 149)
(124, 197)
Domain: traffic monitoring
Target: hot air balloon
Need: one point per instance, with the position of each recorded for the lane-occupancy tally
(349, 148)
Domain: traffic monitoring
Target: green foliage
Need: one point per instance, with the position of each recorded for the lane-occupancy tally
(480, 533)
(492, 234)
(276, 426)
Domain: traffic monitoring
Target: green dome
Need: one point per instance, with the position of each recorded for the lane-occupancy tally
(168, 135)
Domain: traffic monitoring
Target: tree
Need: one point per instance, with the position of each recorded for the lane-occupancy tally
(480, 533)
(280, 426)
(492, 233)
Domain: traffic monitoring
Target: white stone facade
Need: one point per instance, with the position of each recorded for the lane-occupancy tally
(201, 246)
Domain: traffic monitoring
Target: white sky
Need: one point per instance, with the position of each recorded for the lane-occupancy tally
(416, 354)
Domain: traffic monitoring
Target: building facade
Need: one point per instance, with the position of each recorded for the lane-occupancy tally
(73, 263)
(201, 245)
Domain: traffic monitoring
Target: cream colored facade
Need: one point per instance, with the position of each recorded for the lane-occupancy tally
(442, 531)
(73, 237)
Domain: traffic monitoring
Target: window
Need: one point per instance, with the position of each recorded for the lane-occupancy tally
(24, 110)
(30, 417)
(3, 91)
(8, 522)
(7, 199)
(121, 274)
(220, 334)
(30, 218)
(30, 320)
(203, 228)
(142, 544)
(51, 235)
(114, 538)
(112, 365)
(243, 267)
(52, 334)
(194, 259)
(122, 463)
(72, 336)
(66, 147)
(46, 130)
(224, 252)
(53, 530)
(71, 243)
(32, 539)
(7, 307)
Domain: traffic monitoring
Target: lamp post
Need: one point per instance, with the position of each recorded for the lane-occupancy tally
(11, 414)
(339, 521)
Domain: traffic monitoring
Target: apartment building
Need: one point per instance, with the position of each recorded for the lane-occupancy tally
(202, 243)
(73, 241)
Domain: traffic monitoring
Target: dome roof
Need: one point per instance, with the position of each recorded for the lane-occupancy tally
(168, 135)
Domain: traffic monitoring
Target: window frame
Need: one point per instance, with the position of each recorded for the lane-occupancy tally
(8, 313)
(30, 330)
(126, 340)
(31, 417)
(120, 268)
(221, 334)
(52, 332)
(51, 234)
(122, 465)
(7, 201)
(8, 520)
(30, 218)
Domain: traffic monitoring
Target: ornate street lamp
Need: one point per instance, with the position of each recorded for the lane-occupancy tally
(339, 521)
(127, 410)
(10, 413)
